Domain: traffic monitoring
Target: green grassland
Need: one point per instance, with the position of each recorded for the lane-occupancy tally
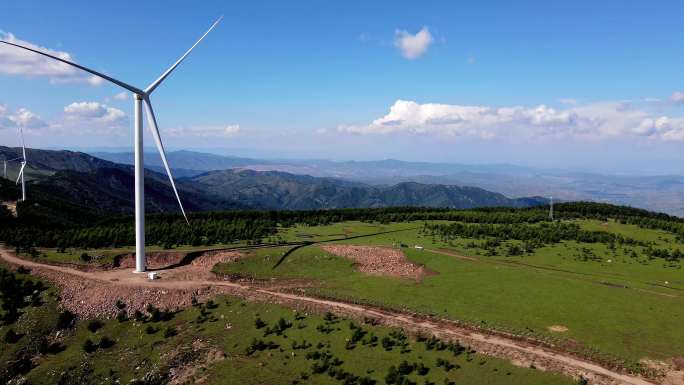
(103, 256)
(228, 341)
(615, 306)
(619, 299)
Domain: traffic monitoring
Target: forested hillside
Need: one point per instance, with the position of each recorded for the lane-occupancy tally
(107, 188)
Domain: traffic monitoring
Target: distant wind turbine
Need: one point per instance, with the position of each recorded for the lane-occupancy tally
(140, 97)
(23, 165)
(4, 165)
(551, 209)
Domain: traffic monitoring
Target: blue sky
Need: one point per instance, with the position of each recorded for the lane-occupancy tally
(590, 85)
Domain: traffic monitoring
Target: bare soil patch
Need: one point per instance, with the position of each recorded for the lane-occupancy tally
(11, 206)
(678, 363)
(379, 261)
(674, 378)
(155, 260)
(187, 361)
(558, 328)
(209, 259)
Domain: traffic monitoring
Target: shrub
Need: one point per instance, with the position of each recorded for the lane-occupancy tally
(259, 345)
(106, 342)
(155, 315)
(11, 337)
(65, 320)
(85, 257)
(405, 368)
(259, 323)
(302, 345)
(446, 364)
(150, 329)
(139, 316)
(121, 316)
(422, 370)
(94, 325)
(89, 346)
(169, 332)
(326, 329)
(387, 343)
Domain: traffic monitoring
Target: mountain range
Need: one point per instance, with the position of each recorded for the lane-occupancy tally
(107, 187)
(662, 193)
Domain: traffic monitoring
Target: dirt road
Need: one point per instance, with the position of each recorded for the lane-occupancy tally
(188, 280)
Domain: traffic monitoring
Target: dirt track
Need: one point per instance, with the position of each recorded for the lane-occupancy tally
(178, 285)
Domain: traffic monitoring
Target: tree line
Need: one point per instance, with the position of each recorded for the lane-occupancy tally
(36, 225)
(539, 234)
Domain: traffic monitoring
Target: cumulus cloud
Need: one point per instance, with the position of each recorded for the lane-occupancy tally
(590, 121)
(677, 97)
(5, 121)
(27, 119)
(413, 46)
(18, 62)
(222, 131)
(121, 96)
(21, 118)
(94, 111)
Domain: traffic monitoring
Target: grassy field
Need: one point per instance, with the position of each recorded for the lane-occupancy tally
(228, 341)
(613, 305)
(616, 302)
(107, 256)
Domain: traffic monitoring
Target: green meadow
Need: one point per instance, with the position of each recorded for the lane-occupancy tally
(228, 341)
(617, 304)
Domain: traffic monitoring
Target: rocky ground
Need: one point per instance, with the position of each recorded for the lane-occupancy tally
(379, 261)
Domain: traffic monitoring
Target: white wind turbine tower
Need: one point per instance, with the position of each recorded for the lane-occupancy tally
(140, 97)
(551, 209)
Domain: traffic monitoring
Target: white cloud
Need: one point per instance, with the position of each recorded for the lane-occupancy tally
(94, 111)
(223, 131)
(568, 101)
(591, 121)
(677, 97)
(27, 119)
(413, 46)
(5, 121)
(121, 96)
(19, 62)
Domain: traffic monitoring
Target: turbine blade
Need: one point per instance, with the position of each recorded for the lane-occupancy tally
(21, 172)
(152, 120)
(156, 83)
(23, 144)
(98, 74)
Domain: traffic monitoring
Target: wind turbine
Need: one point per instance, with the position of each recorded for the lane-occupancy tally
(140, 97)
(551, 209)
(4, 165)
(23, 165)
